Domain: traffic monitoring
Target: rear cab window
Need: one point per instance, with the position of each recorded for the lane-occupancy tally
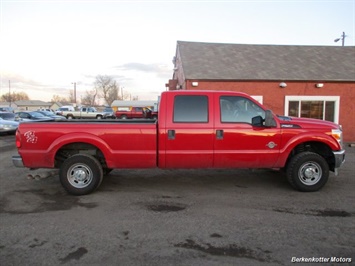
(190, 109)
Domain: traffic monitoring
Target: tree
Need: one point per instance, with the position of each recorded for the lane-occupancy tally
(107, 87)
(15, 96)
(60, 99)
(89, 98)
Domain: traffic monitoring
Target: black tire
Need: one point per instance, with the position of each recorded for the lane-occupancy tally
(307, 172)
(123, 117)
(99, 117)
(81, 174)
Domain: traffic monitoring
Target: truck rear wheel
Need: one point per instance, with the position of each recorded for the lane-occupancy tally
(81, 174)
(307, 171)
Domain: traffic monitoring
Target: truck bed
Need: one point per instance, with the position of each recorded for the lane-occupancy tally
(124, 144)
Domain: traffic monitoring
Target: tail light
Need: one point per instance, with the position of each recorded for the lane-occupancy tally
(18, 139)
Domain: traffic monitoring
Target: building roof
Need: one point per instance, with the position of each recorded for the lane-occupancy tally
(32, 103)
(223, 61)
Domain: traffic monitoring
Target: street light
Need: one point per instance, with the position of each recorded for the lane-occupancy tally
(342, 38)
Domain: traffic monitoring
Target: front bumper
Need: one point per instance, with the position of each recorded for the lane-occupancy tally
(17, 161)
(339, 159)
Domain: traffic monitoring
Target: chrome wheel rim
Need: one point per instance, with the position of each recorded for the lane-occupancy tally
(79, 175)
(310, 173)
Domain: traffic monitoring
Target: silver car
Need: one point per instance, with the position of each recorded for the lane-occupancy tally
(7, 126)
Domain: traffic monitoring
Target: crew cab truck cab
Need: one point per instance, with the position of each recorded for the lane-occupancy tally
(195, 129)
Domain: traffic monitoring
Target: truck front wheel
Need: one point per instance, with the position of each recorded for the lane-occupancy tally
(307, 171)
(81, 174)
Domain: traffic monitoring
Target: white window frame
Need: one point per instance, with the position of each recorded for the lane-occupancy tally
(259, 98)
(300, 98)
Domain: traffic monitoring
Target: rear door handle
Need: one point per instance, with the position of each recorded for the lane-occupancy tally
(219, 133)
(171, 134)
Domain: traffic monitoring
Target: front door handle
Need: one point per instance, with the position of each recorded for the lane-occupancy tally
(219, 134)
(171, 134)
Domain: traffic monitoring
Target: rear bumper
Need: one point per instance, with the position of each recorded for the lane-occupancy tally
(17, 161)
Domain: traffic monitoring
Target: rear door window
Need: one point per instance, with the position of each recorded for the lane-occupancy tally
(190, 108)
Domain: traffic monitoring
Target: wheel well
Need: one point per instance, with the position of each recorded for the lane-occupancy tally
(316, 147)
(71, 149)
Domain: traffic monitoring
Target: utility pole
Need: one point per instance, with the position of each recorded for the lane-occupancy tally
(342, 38)
(74, 91)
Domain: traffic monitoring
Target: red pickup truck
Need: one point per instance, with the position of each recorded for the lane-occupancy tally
(130, 112)
(195, 129)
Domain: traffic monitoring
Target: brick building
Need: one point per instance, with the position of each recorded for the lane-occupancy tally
(303, 81)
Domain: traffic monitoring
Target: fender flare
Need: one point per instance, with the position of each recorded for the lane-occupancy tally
(72, 138)
(303, 138)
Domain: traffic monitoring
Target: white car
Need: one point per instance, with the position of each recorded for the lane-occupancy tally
(7, 126)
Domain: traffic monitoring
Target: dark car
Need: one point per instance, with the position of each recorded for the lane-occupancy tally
(30, 116)
(52, 115)
(109, 113)
(7, 109)
(7, 116)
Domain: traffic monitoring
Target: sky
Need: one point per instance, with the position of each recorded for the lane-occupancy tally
(46, 46)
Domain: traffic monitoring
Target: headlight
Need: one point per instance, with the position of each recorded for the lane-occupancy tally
(338, 135)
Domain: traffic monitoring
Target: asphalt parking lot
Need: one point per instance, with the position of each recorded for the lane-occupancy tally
(182, 217)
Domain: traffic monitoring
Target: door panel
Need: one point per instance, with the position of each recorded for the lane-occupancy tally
(189, 136)
(238, 144)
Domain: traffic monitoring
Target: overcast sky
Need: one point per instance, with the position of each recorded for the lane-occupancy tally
(45, 46)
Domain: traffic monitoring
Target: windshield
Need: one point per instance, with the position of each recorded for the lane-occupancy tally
(47, 113)
(9, 116)
(36, 114)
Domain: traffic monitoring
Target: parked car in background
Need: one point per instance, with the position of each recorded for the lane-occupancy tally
(130, 112)
(7, 126)
(109, 113)
(7, 109)
(30, 116)
(86, 112)
(52, 115)
(149, 113)
(7, 116)
(65, 108)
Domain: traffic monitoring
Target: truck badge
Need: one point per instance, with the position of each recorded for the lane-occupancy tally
(271, 145)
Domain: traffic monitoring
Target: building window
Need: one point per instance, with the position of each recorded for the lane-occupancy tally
(319, 107)
(259, 98)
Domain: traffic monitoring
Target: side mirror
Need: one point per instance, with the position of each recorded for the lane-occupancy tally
(257, 121)
(269, 119)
